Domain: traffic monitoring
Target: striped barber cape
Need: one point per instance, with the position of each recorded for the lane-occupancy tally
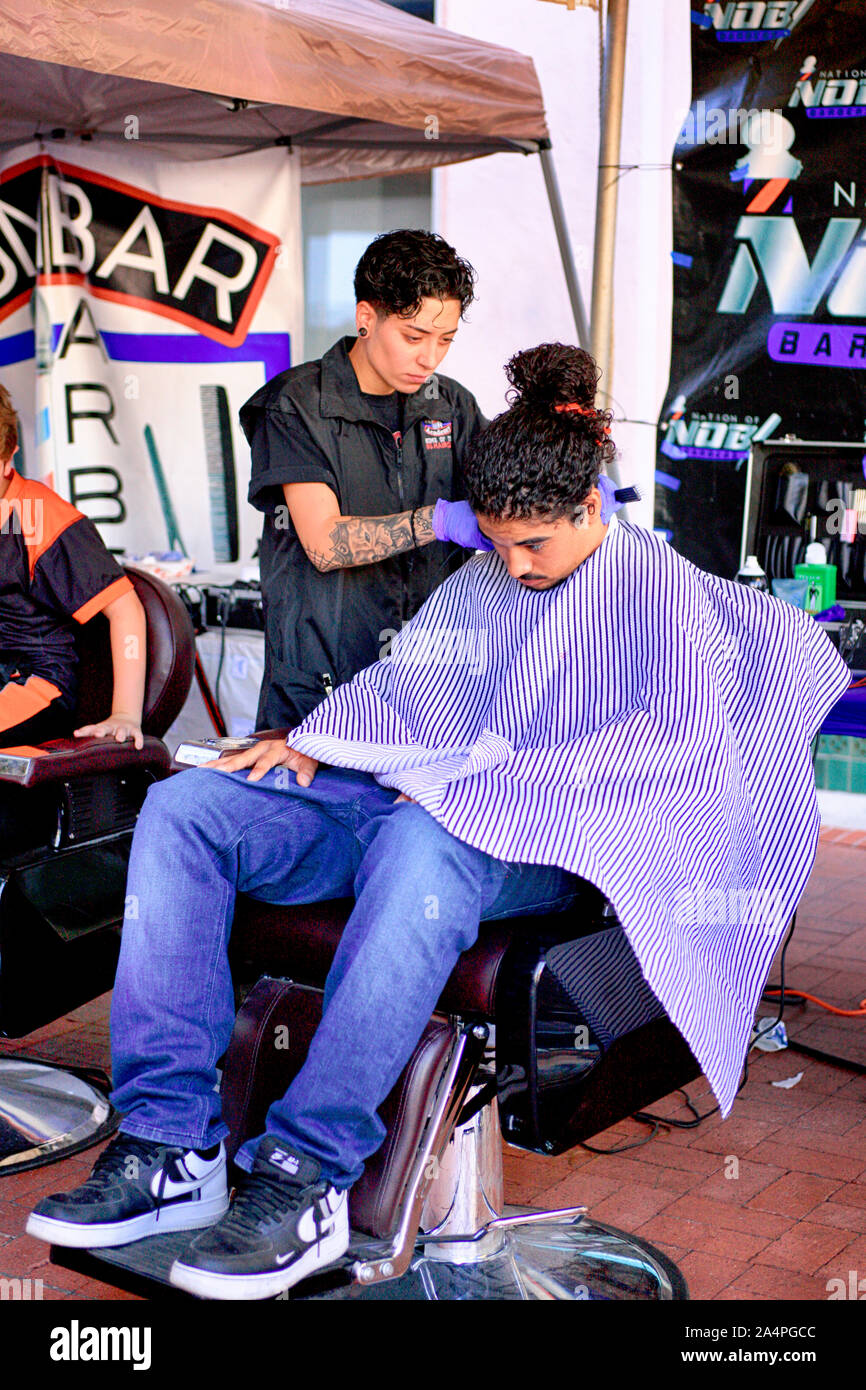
(644, 725)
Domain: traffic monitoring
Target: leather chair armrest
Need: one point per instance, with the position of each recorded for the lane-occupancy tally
(63, 758)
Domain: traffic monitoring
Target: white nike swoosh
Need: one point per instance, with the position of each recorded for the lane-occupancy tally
(170, 1188)
(308, 1235)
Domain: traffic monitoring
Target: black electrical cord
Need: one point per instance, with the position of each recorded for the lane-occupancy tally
(644, 1117)
(225, 604)
(784, 1003)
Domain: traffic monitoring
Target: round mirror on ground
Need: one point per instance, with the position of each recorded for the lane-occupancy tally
(47, 1113)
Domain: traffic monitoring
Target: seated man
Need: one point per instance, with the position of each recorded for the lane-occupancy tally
(55, 573)
(580, 702)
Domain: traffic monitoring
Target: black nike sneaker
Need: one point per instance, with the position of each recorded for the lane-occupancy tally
(137, 1188)
(284, 1223)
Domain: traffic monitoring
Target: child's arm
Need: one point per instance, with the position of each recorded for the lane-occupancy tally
(128, 650)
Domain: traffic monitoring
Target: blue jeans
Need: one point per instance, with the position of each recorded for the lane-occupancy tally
(419, 895)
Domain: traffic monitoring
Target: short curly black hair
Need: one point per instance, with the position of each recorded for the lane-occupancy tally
(543, 455)
(401, 268)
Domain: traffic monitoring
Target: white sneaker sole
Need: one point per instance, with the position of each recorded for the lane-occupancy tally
(207, 1284)
(77, 1236)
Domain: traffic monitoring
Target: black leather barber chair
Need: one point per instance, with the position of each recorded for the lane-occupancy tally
(68, 809)
(507, 1053)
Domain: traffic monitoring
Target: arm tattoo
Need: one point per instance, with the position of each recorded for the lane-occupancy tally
(362, 540)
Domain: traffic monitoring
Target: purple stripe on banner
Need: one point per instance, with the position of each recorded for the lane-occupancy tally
(273, 350)
(818, 344)
(751, 35)
(703, 21)
(19, 347)
(673, 451)
(823, 112)
(723, 455)
(668, 480)
(680, 258)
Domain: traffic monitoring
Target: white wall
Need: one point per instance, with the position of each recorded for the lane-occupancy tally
(495, 210)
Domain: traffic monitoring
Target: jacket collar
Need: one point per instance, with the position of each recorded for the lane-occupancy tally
(342, 398)
(15, 488)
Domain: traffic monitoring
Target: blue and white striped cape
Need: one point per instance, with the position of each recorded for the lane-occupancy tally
(644, 725)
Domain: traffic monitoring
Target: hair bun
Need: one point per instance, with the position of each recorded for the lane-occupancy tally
(550, 375)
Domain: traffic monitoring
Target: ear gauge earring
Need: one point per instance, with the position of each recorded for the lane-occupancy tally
(362, 332)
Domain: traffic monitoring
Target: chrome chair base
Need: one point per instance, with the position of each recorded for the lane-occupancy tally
(470, 1247)
(47, 1113)
(572, 1259)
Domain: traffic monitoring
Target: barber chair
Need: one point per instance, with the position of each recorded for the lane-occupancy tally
(507, 1053)
(69, 808)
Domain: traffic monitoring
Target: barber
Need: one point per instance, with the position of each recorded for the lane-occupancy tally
(355, 463)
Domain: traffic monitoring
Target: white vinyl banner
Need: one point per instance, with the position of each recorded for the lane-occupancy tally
(142, 301)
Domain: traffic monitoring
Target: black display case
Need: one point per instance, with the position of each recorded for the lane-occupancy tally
(791, 481)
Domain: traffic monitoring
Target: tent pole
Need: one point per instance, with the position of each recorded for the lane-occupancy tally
(557, 211)
(607, 191)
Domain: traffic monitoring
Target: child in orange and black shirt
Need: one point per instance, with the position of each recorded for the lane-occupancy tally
(56, 572)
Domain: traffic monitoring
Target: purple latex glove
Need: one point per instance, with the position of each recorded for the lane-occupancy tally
(613, 497)
(455, 521)
(836, 614)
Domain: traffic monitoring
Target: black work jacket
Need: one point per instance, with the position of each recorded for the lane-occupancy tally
(313, 424)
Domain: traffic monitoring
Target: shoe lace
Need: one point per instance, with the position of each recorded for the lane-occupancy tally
(114, 1162)
(262, 1198)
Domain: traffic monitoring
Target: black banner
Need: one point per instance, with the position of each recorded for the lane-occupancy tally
(769, 317)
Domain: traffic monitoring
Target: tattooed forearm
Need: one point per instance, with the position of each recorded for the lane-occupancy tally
(362, 540)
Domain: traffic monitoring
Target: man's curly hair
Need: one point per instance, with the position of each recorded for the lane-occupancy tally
(401, 268)
(535, 459)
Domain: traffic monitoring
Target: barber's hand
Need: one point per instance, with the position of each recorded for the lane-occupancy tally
(262, 756)
(120, 727)
(455, 521)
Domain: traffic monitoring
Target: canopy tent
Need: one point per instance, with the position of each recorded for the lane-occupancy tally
(359, 88)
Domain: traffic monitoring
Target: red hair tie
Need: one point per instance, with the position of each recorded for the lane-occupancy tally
(572, 407)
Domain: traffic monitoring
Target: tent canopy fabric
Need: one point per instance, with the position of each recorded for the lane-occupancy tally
(359, 87)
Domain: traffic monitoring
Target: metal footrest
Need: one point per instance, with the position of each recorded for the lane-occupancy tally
(544, 1257)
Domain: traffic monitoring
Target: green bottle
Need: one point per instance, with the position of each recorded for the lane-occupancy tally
(820, 577)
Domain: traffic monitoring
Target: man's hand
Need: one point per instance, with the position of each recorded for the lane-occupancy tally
(265, 754)
(120, 727)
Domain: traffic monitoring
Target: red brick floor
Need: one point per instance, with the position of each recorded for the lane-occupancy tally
(768, 1204)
